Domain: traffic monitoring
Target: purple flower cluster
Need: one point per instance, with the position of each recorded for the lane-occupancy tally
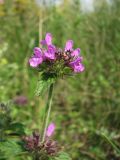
(20, 100)
(68, 56)
(33, 143)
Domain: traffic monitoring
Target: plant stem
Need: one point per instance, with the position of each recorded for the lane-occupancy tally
(47, 111)
(40, 26)
(112, 144)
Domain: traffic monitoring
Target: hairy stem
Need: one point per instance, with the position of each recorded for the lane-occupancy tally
(47, 111)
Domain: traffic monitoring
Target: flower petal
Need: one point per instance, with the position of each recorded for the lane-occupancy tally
(48, 38)
(34, 62)
(37, 52)
(76, 65)
(51, 49)
(79, 68)
(48, 55)
(69, 45)
(50, 130)
(76, 52)
(43, 42)
(76, 61)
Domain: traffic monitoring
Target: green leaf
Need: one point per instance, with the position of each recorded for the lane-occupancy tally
(44, 82)
(63, 156)
(18, 128)
(9, 149)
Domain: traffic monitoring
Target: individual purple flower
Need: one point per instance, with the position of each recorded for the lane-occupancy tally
(50, 53)
(48, 39)
(37, 58)
(76, 65)
(50, 130)
(75, 52)
(69, 46)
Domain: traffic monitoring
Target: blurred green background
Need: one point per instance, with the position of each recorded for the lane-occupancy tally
(85, 106)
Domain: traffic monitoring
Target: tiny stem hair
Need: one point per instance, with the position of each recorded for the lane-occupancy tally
(47, 111)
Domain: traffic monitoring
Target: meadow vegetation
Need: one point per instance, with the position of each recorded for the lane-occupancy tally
(85, 107)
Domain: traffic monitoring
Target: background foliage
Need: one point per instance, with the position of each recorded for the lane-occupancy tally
(86, 106)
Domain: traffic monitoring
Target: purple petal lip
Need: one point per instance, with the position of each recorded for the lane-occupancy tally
(50, 130)
(34, 61)
(49, 56)
(69, 45)
(76, 61)
(48, 38)
(76, 52)
(79, 68)
(50, 53)
(37, 52)
(51, 49)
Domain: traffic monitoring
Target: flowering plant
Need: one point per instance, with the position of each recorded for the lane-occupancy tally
(53, 63)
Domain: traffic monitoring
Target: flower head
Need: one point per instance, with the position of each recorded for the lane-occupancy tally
(52, 60)
(34, 144)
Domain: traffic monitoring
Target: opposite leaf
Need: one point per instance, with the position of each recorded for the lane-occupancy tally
(43, 83)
